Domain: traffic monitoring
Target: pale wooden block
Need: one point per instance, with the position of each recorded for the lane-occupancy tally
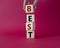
(30, 26)
(30, 34)
(30, 18)
(34, 26)
(29, 9)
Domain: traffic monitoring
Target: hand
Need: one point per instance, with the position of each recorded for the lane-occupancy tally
(27, 2)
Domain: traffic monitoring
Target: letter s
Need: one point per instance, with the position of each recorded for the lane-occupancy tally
(29, 26)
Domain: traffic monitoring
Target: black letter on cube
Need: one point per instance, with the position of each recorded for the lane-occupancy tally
(30, 18)
(30, 34)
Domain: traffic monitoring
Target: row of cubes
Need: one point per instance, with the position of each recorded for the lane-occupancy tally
(30, 22)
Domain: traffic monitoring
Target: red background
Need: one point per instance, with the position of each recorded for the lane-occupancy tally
(13, 19)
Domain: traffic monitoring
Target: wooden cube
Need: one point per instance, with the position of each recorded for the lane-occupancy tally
(30, 34)
(30, 18)
(29, 9)
(30, 26)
